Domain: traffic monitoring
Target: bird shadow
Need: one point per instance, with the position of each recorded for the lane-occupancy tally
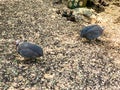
(32, 61)
(29, 61)
(96, 42)
(14, 58)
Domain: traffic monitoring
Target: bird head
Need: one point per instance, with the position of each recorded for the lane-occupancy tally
(17, 42)
(103, 27)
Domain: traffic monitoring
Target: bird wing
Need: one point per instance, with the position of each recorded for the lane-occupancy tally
(36, 49)
(87, 29)
(92, 34)
(32, 47)
(27, 53)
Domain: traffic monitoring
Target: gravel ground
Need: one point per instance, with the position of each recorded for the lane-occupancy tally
(69, 62)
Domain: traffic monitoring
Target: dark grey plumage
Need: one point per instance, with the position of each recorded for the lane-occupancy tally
(29, 50)
(91, 32)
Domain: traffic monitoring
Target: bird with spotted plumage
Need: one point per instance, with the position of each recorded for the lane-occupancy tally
(91, 32)
(28, 50)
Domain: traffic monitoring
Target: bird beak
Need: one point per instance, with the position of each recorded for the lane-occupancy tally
(103, 27)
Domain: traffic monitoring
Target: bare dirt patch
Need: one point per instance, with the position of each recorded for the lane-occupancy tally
(69, 63)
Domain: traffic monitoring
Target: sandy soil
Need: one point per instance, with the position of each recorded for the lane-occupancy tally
(69, 62)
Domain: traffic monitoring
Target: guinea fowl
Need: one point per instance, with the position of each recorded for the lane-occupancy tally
(91, 32)
(29, 50)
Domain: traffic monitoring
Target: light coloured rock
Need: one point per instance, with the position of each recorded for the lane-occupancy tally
(48, 76)
(84, 11)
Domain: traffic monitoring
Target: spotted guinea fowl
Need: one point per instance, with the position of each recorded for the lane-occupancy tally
(91, 32)
(29, 50)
